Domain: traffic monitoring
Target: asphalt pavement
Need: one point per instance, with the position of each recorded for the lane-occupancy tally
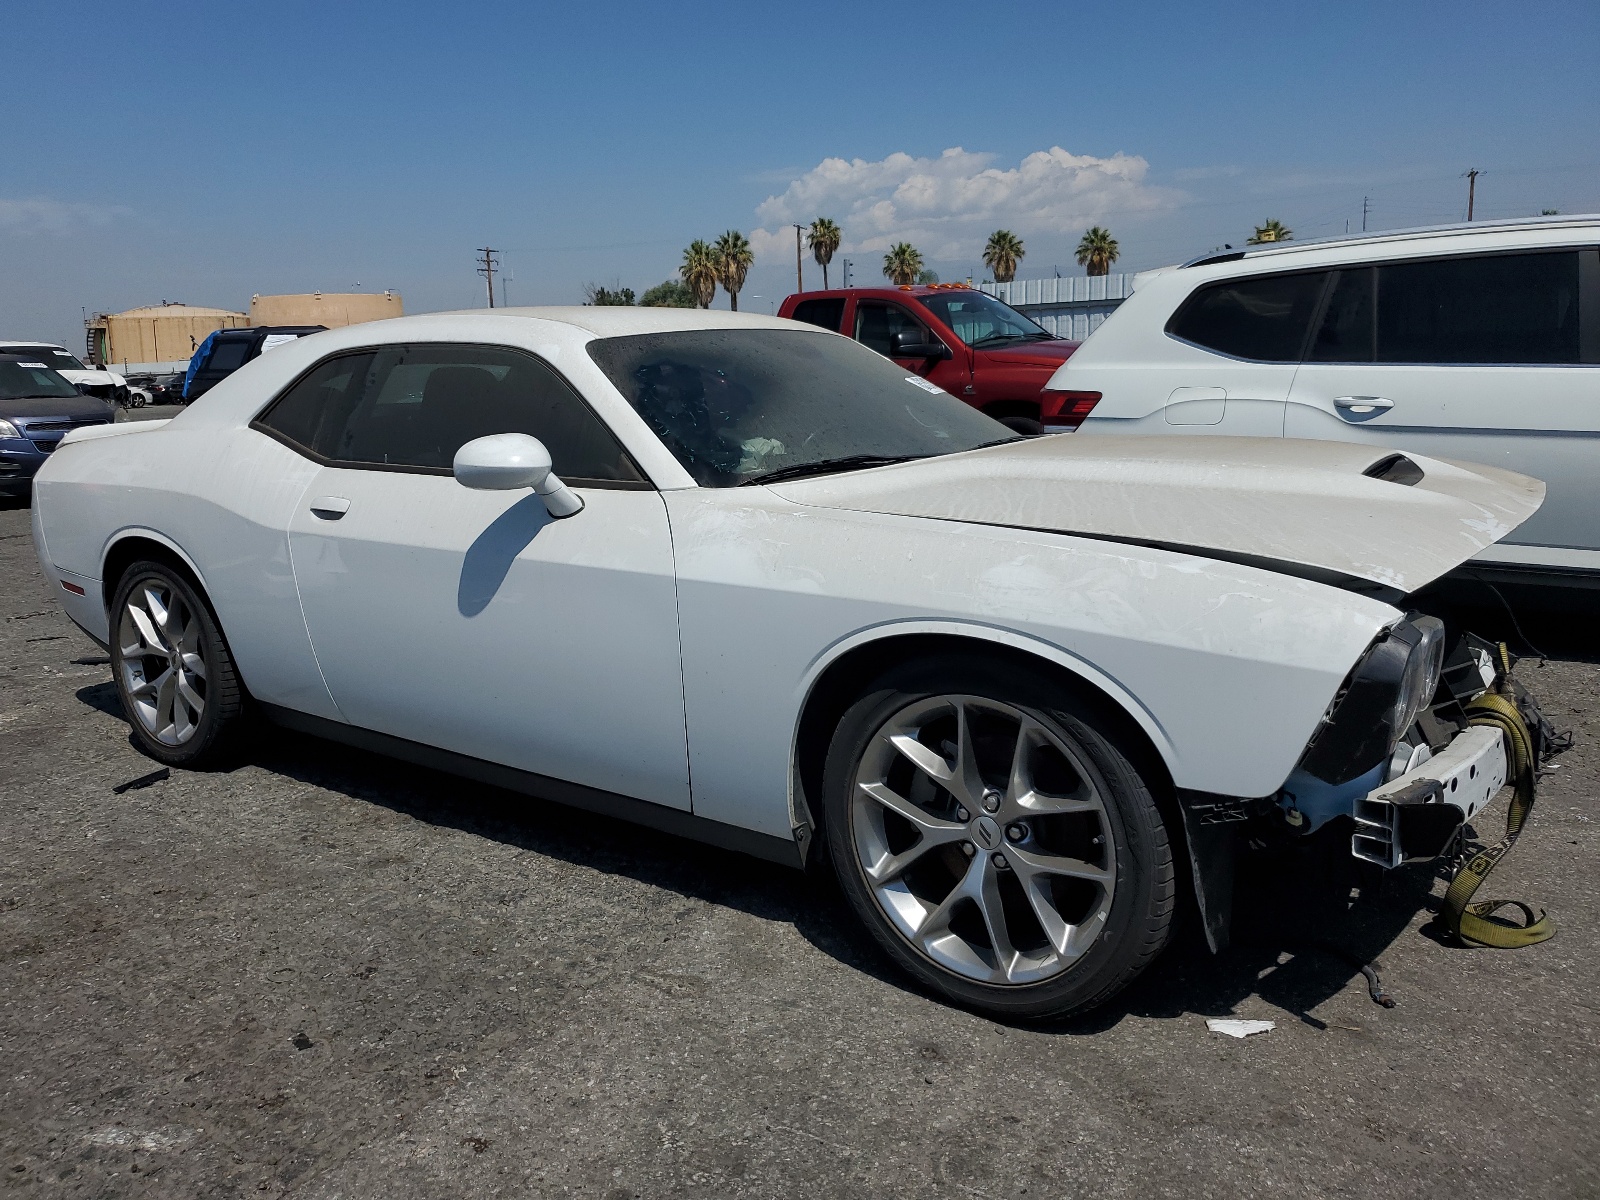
(321, 973)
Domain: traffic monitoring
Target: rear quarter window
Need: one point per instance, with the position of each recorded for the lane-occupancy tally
(1263, 317)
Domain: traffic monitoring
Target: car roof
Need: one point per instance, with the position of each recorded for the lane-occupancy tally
(30, 345)
(615, 321)
(906, 289)
(1397, 237)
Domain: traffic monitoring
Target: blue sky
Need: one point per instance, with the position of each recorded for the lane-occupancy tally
(202, 153)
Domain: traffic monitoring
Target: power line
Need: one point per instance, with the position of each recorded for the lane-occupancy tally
(490, 262)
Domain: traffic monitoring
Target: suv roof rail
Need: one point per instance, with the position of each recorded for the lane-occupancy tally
(1394, 235)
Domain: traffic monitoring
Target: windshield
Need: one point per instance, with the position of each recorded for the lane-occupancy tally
(49, 355)
(980, 320)
(734, 405)
(22, 378)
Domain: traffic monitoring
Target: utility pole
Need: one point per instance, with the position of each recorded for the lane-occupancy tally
(490, 262)
(799, 280)
(846, 272)
(1472, 188)
(1364, 207)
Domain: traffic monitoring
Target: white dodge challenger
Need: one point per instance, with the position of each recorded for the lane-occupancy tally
(746, 581)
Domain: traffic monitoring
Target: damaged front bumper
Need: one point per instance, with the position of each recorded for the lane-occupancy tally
(1416, 815)
(1407, 774)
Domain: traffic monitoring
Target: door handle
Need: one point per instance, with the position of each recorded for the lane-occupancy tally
(1361, 406)
(330, 508)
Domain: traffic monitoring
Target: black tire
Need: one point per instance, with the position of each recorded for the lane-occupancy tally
(216, 734)
(1143, 899)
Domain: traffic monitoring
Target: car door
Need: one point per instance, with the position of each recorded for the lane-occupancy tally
(1490, 358)
(470, 620)
(877, 322)
(1252, 330)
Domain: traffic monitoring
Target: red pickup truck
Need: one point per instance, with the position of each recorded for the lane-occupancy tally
(964, 340)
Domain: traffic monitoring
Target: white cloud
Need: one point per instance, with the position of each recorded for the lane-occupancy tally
(53, 216)
(948, 205)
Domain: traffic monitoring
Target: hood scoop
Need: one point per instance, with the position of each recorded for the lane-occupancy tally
(1397, 468)
(1324, 510)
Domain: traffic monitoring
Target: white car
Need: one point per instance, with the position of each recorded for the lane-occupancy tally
(1478, 342)
(784, 597)
(91, 381)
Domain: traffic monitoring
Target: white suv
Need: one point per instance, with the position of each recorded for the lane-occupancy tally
(1478, 342)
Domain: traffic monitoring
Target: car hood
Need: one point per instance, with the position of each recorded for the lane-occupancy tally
(1307, 508)
(1034, 354)
(73, 408)
(98, 377)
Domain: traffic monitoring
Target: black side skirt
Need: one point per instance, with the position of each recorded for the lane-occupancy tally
(542, 787)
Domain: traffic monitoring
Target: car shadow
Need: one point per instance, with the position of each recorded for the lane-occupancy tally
(1305, 919)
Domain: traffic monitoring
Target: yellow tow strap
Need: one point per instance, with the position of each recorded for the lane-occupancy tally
(1477, 923)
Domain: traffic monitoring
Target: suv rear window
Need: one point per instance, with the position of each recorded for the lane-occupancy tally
(227, 355)
(1264, 318)
(825, 313)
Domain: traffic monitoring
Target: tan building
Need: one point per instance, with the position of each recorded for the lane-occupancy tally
(159, 334)
(333, 309)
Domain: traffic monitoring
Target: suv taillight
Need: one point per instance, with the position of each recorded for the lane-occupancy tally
(1064, 411)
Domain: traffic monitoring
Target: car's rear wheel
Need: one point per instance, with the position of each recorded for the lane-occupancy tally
(996, 839)
(172, 667)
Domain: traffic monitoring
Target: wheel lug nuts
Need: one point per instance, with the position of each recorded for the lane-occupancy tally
(968, 849)
(963, 815)
(1017, 832)
(999, 860)
(991, 800)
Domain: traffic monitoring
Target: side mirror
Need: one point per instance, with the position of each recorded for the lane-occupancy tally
(508, 462)
(909, 343)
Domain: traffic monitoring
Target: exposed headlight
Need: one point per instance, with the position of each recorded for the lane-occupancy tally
(1423, 665)
(1394, 681)
(7, 429)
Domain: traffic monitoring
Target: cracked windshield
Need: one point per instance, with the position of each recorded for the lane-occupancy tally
(759, 405)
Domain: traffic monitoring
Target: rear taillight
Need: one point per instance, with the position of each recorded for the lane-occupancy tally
(1065, 411)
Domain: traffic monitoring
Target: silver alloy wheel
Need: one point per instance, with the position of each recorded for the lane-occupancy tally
(983, 839)
(163, 662)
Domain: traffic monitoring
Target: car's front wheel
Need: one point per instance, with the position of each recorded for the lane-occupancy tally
(172, 666)
(996, 839)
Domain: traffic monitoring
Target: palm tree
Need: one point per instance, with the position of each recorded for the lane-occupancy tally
(1097, 251)
(1002, 255)
(734, 256)
(699, 271)
(903, 263)
(1269, 231)
(823, 238)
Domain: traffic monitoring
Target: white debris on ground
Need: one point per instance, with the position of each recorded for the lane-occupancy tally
(1238, 1029)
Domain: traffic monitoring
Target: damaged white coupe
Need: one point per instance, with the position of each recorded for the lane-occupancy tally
(746, 581)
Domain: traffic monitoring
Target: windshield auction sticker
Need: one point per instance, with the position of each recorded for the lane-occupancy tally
(925, 385)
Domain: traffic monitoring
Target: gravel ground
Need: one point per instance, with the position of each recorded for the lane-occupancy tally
(325, 974)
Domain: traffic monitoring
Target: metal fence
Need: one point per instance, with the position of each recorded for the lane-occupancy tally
(1067, 307)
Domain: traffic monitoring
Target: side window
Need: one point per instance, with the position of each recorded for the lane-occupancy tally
(1263, 317)
(313, 411)
(1345, 334)
(1499, 308)
(825, 313)
(877, 323)
(414, 407)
